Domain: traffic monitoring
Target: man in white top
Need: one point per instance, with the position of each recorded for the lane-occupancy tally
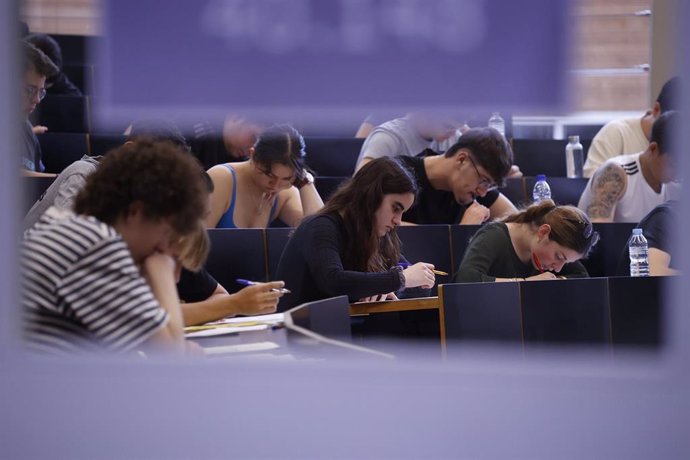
(625, 188)
(629, 135)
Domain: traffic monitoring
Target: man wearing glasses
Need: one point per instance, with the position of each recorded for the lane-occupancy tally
(461, 186)
(36, 68)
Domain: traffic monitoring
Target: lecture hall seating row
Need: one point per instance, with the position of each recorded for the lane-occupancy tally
(326, 156)
(254, 253)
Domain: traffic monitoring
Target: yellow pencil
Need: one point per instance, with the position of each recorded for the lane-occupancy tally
(439, 272)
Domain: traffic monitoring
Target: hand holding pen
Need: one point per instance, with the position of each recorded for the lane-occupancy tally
(475, 214)
(420, 274)
(280, 290)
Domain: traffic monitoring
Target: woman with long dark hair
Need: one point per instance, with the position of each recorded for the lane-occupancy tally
(351, 247)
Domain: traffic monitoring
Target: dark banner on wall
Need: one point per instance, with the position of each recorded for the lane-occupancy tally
(326, 61)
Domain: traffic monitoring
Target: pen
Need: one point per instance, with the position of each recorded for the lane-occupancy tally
(537, 263)
(251, 283)
(436, 272)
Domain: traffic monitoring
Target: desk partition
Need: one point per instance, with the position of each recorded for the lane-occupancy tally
(637, 309)
(593, 311)
(566, 311)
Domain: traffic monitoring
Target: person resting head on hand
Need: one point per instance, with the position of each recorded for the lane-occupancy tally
(273, 184)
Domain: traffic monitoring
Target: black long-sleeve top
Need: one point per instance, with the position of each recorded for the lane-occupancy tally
(491, 255)
(312, 266)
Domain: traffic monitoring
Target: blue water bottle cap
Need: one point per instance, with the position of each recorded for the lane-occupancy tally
(637, 231)
(541, 177)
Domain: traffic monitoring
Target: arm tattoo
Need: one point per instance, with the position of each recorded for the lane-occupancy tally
(608, 187)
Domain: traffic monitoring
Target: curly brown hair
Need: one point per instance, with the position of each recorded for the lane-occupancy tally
(165, 179)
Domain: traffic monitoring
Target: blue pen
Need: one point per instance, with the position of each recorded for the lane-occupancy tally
(251, 283)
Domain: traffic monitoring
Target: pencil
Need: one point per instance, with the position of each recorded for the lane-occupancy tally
(436, 272)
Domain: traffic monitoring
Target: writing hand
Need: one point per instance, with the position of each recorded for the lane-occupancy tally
(475, 214)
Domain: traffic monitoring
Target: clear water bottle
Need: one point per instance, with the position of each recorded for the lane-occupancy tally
(541, 190)
(497, 123)
(639, 254)
(574, 157)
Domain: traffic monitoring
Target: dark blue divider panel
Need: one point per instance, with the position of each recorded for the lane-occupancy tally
(33, 188)
(100, 144)
(59, 150)
(326, 186)
(482, 311)
(428, 243)
(515, 191)
(328, 317)
(586, 133)
(63, 114)
(276, 239)
(236, 253)
(606, 255)
(82, 75)
(563, 189)
(333, 156)
(637, 307)
(566, 311)
(540, 156)
(459, 239)
(76, 49)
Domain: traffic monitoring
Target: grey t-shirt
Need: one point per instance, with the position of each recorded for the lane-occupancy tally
(399, 137)
(63, 190)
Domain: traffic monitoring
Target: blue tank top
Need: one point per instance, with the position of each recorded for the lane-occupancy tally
(226, 220)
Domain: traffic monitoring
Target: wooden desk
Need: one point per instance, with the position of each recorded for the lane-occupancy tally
(388, 306)
(420, 303)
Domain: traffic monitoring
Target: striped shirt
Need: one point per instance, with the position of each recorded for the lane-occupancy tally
(81, 289)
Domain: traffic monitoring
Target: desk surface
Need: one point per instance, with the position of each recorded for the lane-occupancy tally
(421, 303)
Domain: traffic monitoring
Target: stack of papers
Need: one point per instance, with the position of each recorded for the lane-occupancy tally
(234, 325)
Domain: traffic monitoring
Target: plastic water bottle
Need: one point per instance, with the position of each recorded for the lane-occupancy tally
(541, 190)
(497, 123)
(639, 254)
(574, 157)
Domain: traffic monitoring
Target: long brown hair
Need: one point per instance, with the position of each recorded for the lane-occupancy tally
(570, 227)
(357, 201)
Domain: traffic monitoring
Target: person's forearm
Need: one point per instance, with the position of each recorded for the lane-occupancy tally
(311, 200)
(215, 307)
(165, 292)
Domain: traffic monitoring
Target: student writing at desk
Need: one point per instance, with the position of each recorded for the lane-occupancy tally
(541, 242)
(351, 247)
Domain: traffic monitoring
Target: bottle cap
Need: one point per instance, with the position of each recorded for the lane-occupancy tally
(637, 231)
(574, 139)
(541, 177)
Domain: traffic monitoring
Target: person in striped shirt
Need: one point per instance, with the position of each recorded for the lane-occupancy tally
(103, 278)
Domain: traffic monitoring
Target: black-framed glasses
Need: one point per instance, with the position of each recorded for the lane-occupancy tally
(32, 91)
(484, 182)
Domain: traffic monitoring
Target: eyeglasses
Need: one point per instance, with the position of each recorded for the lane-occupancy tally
(484, 182)
(32, 90)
